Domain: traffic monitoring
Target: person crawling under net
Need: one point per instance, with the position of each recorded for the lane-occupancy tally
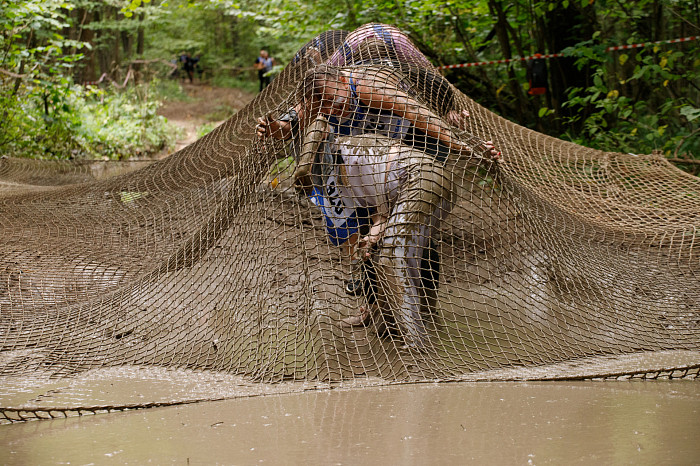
(374, 101)
(405, 193)
(383, 201)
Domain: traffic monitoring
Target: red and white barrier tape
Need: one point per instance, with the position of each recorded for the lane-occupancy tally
(555, 55)
(95, 83)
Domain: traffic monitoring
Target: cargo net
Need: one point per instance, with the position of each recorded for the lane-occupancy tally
(353, 224)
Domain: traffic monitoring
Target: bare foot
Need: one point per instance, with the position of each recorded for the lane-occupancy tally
(357, 320)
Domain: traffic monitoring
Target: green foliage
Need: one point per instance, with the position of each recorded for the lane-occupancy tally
(614, 116)
(205, 129)
(223, 36)
(133, 5)
(89, 122)
(247, 82)
(46, 115)
(34, 61)
(634, 101)
(121, 124)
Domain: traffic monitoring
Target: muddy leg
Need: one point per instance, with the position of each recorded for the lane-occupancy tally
(423, 202)
(399, 283)
(430, 276)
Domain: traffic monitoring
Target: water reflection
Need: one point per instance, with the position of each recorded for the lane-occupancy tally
(485, 423)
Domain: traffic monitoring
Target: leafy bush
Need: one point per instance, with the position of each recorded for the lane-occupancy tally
(75, 121)
(643, 112)
(122, 124)
(44, 114)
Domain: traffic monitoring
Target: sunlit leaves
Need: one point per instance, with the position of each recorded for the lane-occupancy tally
(132, 6)
(690, 112)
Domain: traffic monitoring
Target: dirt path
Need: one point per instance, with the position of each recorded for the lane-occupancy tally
(206, 105)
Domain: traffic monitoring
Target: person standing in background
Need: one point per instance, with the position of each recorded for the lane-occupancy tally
(264, 64)
(188, 66)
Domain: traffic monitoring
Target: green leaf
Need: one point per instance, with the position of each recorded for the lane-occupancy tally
(597, 81)
(130, 196)
(691, 113)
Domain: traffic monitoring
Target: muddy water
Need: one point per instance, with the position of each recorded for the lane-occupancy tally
(484, 423)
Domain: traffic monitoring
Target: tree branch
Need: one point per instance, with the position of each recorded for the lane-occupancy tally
(13, 75)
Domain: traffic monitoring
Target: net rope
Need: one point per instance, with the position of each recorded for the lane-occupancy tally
(550, 260)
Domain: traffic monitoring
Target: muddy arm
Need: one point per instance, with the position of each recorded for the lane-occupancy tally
(314, 136)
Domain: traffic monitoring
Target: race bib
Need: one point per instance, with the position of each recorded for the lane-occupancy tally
(341, 221)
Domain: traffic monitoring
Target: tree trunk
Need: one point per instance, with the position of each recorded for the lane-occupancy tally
(562, 28)
(502, 35)
(126, 43)
(140, 39)
(483, 75)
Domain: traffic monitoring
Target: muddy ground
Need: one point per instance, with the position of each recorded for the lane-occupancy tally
(206, 105)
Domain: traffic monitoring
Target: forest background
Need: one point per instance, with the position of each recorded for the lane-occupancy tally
(84, 78)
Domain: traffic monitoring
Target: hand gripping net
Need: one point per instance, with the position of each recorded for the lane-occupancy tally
(214, 272)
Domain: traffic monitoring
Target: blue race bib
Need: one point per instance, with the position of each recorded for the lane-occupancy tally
(341, 221)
